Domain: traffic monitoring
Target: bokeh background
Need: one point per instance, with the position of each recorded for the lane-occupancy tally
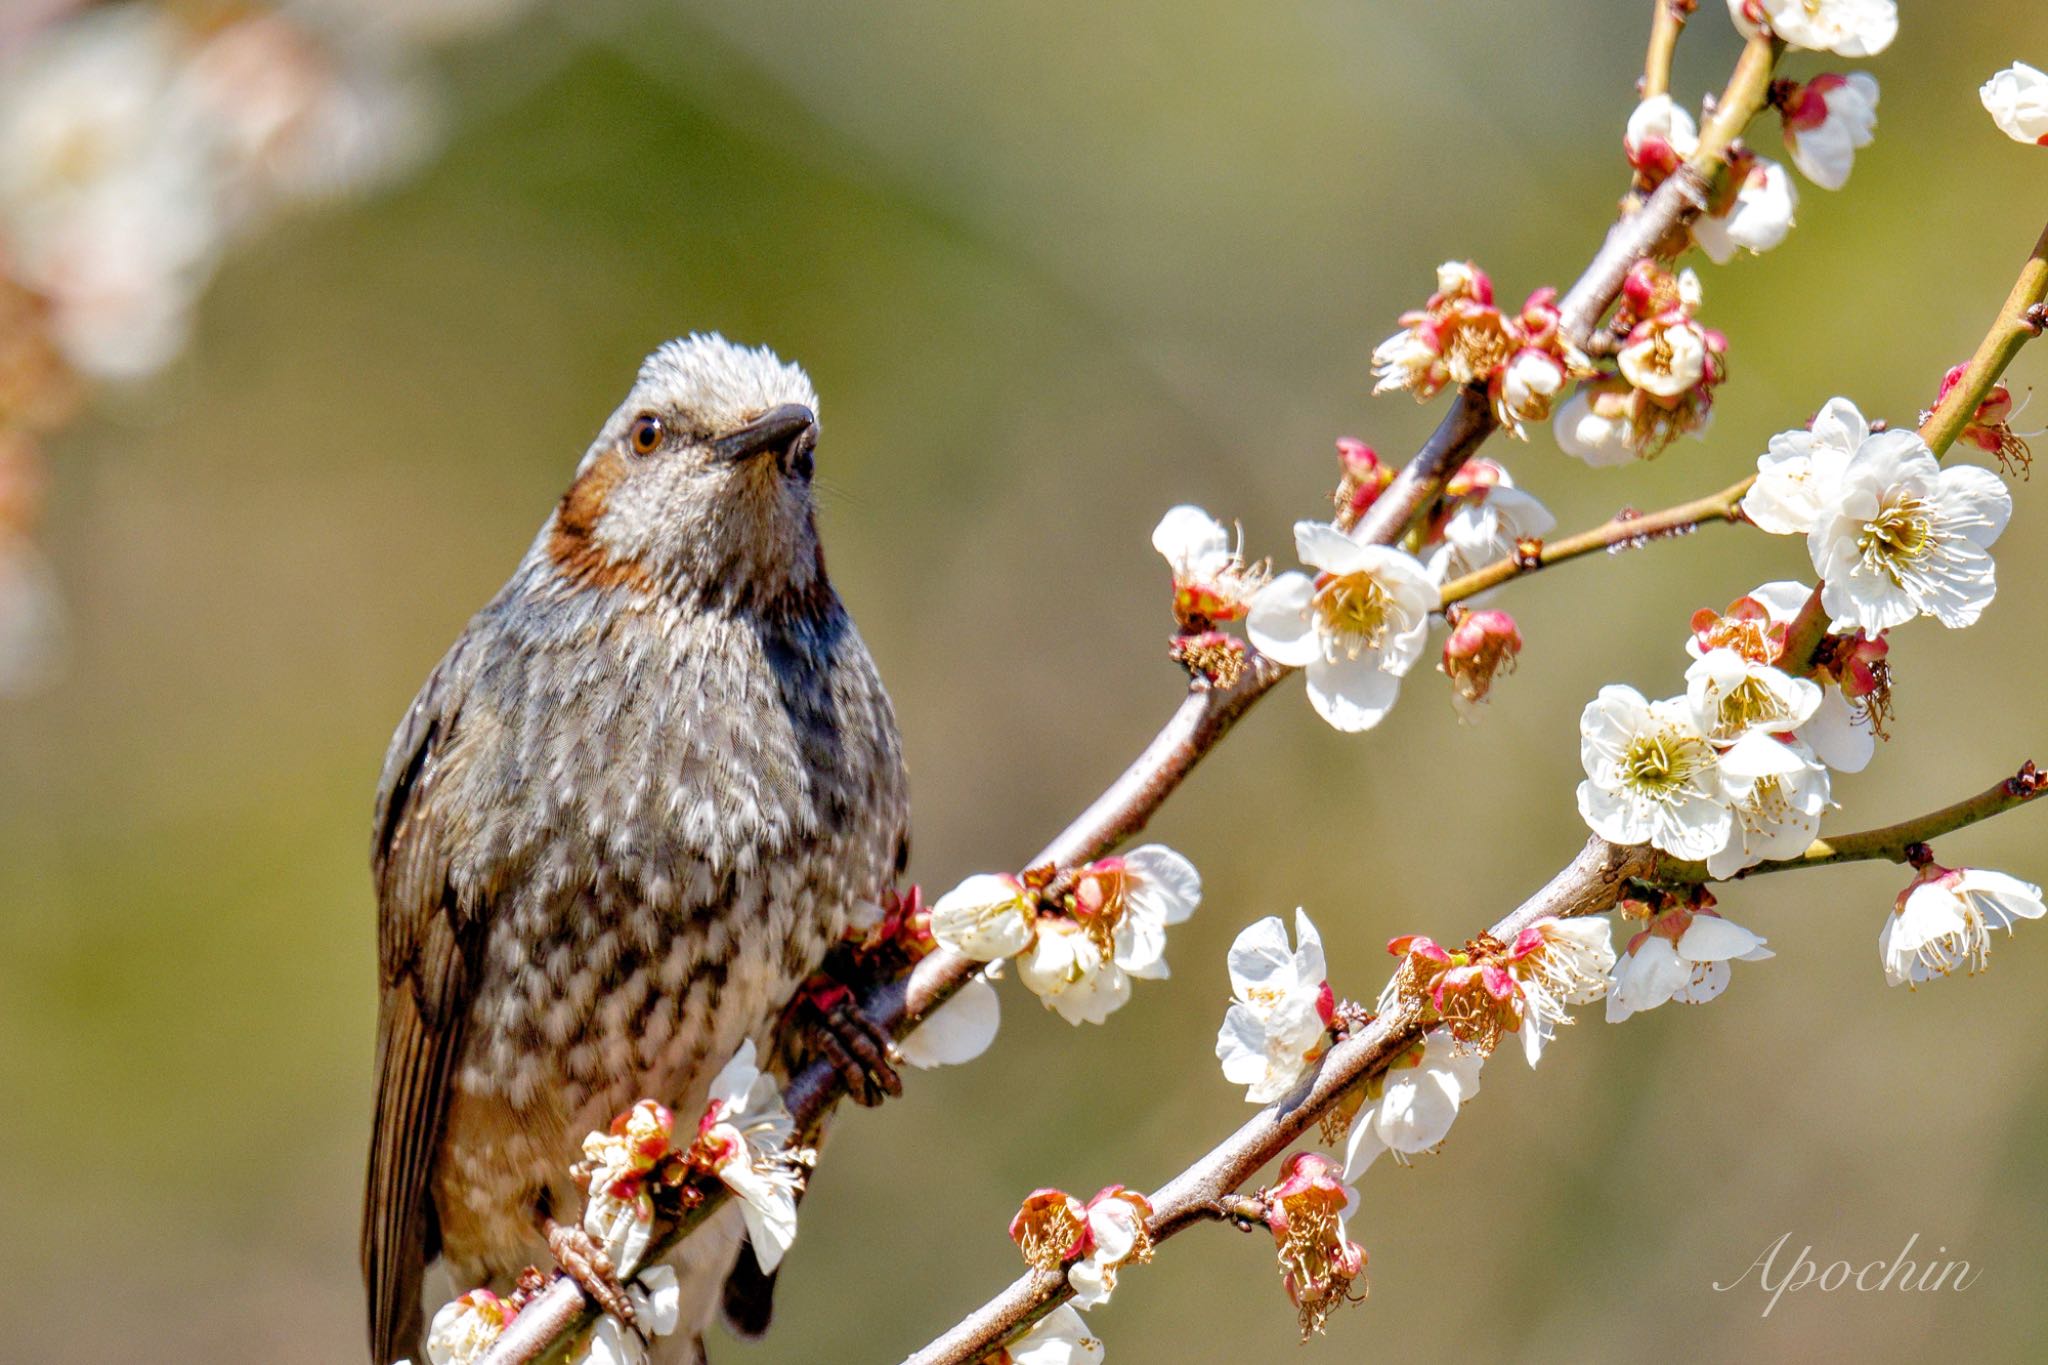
(1054, 266)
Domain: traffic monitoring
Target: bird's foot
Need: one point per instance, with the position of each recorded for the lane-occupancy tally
(585, 1262)
(859, 1048)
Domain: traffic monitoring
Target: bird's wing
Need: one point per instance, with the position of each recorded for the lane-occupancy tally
(429, 943)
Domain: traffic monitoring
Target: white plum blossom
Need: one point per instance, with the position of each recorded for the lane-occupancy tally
(1210, 578)
(1357, 627)
(1731, 696)
(1418, 1099)
(1826, 121)
(1595, 431)
(657, 1299)
(1558, 962)
(1796, 478)
(1777, 791)
(1061, 1337)
(1529, 385)
(1068, 968)
(1133, 898)
(746, 1134)
(2017, 100)
(958, 1031)
(987, 917)
(1903, 537)
(1079, 963)
(1839, 734)
(1682, 956)
(465, 1328)
(1116, 1236)
(1666, 355)
(1756, 220)
(1651, 776)
(1847, 28)
(1280, 1010)
(1659, 136)
(1489, 521)
(1943, 921)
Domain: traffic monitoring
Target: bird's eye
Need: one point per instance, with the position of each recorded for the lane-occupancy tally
(646, 434)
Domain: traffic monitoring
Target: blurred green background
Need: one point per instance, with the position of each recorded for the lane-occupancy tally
(1054, 266)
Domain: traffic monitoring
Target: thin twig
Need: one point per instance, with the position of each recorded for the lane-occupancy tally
(1893, 843)
(1665, 27)
(1725, 505)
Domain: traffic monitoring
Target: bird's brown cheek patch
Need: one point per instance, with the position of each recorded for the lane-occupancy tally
(573, 544)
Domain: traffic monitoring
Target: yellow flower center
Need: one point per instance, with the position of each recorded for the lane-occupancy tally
(1749, 703)
(1661, 764)
(1353, 608)
(1900, 533)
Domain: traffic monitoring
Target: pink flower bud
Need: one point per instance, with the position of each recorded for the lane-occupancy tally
(1481, 645)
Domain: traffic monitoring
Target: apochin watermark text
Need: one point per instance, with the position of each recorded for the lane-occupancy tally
(1801, 1271)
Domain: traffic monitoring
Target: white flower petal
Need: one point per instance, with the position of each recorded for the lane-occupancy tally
(958, 1031)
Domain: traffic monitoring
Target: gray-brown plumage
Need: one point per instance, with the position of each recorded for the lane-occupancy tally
(625, 818)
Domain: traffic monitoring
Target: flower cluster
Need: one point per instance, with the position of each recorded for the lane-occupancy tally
(1212, 584)
(1716, 775)
(1892, 534)
(1460, 337)
(1488, 989)
(465, 1328)
(1090, 1241)
(1667, 370)
(1851, 668)
(1081, 958)
(743, 1140)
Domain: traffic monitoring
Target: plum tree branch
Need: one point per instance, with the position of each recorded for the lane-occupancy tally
(1591, 883)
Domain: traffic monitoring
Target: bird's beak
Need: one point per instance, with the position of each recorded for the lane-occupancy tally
(776, 429)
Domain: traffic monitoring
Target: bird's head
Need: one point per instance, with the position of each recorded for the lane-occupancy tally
(700, 482)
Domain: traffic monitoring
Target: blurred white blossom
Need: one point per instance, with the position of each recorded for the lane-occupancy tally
(1847, 28)
(2017, 100)
(1826, 121)
(1757, 216)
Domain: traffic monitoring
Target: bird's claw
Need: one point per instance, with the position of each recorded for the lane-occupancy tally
(859, 1049)
(585, 1262)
